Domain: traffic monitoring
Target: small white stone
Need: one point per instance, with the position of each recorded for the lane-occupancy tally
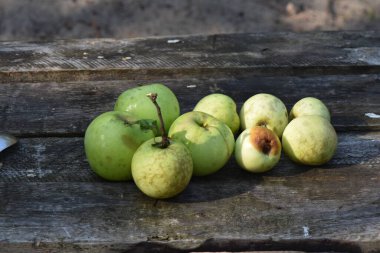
(173, 41)
(372, 115)
(306, 231)
(100, 57)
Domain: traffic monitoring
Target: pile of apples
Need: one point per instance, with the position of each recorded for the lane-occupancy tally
(146, 139)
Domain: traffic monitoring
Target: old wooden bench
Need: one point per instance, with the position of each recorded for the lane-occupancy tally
(50, 201)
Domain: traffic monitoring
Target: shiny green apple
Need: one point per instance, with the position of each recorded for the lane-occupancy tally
(264, 110)
(110, 141)
(135, 101)
(257, 149)
(221, 107)
(310, 140)
(162, 172)
(210, 141)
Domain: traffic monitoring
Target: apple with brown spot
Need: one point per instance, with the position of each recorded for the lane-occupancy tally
(257, 149)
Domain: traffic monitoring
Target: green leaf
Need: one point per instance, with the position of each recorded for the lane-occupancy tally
(148, 124)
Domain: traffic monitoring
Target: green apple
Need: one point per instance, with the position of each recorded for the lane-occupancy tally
(264, 110)
(110, 141)
(221, 107)
(309, 106)
(257, 149)
(310, 140)
(162, 168)
(135, 101)
(210, 141)
(162, 172)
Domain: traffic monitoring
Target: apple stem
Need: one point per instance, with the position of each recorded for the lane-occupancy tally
(165, 139)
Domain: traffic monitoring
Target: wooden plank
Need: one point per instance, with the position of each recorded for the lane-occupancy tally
(275, 53)
(63, 159)
(276, 209)
(56, 109)
(48, 204)
(325, 209)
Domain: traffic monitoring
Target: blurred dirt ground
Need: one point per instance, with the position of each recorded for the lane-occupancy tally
(47, 19)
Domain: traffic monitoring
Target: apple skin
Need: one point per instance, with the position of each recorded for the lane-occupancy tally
(210, 141)
(309, 106)
(135, 101)
(257, 149)
(110, 141)
(221, 107)
(162, 173)
(264, 110)
(310, 140)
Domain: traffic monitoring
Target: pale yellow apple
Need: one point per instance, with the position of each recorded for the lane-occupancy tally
(264, 110)
(309, 106)
(221, 107)
(310, 140)
(162, 172)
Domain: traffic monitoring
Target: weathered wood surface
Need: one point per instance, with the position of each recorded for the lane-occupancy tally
(316, 206)
(329, 208)
(56, 159)
(275, 53)
(54, 109)
(50, 200)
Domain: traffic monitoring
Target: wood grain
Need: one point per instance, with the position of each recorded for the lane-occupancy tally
(51, 201)
(48, 204)
(324, 209)
(63, 160)
(275, 54)
(66, 109)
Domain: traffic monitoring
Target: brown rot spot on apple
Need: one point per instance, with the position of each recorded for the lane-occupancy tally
(264, 140)
(129, 141)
